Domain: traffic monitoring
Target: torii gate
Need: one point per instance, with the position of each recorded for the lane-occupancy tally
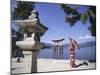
(58, 45)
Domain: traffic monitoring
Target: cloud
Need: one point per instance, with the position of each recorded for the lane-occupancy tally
(86, 37)
(81, 37)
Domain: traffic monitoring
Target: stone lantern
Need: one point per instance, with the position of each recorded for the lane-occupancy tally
(32, 30)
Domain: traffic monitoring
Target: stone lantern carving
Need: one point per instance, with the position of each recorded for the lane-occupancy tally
(32, 30)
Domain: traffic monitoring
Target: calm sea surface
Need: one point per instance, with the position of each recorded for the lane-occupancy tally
(86, 53)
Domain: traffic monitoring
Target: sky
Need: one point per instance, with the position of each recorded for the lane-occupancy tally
(53, 17)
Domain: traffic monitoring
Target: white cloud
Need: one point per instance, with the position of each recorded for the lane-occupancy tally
(86, 37)
(81, 37)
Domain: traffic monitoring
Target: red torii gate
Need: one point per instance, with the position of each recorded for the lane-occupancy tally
(58, 45)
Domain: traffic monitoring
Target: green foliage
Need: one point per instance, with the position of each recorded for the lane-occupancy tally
(72, 19)
(23, 9)
(92, 28)
(68, 10)
(72, 16)
(84, 18)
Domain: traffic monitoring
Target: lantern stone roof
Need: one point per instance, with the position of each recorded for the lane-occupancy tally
(32, 24)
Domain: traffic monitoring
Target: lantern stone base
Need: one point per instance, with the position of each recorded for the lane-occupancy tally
(32, 55)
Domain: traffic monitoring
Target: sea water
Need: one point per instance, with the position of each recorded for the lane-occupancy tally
(85, 53)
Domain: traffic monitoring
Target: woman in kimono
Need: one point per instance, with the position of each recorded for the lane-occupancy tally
(72, 54)
(73, 44)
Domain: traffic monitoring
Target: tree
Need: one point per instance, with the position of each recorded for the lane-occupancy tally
(73, 15)
(23, 9)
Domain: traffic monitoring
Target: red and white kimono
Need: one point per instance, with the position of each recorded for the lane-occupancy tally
(72, 54)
